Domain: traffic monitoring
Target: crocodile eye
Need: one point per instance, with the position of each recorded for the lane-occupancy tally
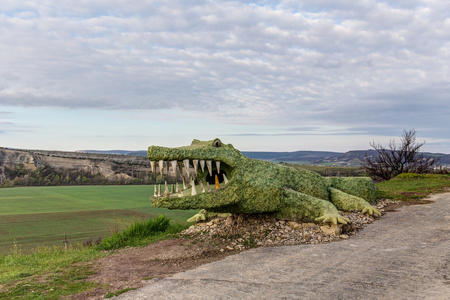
(217, 144)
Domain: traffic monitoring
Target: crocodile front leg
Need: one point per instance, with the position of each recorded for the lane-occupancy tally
(297, 205)
(203, 215)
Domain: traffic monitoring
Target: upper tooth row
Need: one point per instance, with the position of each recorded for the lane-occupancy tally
(178, 191)
(183, 166)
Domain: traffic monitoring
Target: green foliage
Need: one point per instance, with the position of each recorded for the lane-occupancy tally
(415, 175)
(137, 230)
(412, 187)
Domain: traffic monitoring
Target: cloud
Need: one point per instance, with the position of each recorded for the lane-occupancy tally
(267, 62)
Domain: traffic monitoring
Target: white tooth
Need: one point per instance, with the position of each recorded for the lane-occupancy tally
(153, 164)
(194, 190)
(174, 167)
(184, 183)
(225, 180)
(166, 190)
(202, 165)
(159, 190)
(180, 167)
(180, 194)
(202, 188)
(209, 165)
(195, 163)
(156, 191)
(161, 167)
(218, 167)
(208, 187)
(186, 166)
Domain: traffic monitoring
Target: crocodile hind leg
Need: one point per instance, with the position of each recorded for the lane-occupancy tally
(297, 205)
(347, 202)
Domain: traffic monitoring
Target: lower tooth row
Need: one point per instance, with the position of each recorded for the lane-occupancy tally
(183, 166)
(176, 190)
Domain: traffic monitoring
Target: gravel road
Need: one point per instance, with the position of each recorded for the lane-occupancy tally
(405, 255)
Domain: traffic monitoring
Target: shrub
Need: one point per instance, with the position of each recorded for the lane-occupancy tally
(139, 229)
(398, 159)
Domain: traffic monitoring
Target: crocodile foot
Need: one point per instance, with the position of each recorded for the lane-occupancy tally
(332, 218)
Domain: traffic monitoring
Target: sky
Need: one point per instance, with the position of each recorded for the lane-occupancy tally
(323, 75)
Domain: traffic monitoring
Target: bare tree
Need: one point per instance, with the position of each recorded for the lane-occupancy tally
(397, 159)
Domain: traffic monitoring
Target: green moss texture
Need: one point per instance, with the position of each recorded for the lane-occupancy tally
(256, 186)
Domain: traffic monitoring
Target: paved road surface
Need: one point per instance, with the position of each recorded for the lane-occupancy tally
(406, 255)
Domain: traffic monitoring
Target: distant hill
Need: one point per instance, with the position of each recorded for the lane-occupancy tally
(296, 156)
(353, 158)
(42, 167)
(271, 156)
(347, 159)
(116, 152)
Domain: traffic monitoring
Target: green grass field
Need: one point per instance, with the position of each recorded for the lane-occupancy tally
(40, 216)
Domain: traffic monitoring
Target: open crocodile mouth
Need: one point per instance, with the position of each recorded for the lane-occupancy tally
(195, 177)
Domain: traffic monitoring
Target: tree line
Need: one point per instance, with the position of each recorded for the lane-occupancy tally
(48, 176)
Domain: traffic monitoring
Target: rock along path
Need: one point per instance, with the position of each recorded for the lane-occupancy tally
(405, 255)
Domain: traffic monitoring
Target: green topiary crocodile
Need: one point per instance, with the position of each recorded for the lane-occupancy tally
(234, 183)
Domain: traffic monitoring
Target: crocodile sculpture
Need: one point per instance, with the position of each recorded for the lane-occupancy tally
(219, 179)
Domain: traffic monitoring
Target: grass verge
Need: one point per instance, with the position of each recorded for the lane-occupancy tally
(47, 273)
(409, 187)
(51, 273)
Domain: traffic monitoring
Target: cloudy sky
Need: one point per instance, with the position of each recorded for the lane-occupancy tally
(262, 75)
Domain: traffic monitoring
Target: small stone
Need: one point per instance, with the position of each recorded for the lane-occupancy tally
(216, 221)
(308, 225)
(294, 225)
(240, 218)
(307, 237)
(332, 229)
(222, 250)
(229, 221)
(344, 236)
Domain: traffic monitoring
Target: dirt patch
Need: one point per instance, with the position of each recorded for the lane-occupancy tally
(208, 242)
(134, 267)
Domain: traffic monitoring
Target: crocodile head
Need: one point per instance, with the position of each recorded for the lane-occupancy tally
(205, 169)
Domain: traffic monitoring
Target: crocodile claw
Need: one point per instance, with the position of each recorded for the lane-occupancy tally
(370, 210)
(200, 216)
(332, 218)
